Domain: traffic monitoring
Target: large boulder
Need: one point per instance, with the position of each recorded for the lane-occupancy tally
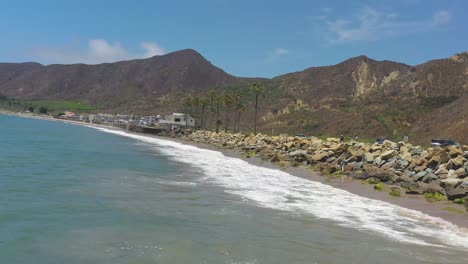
(299, 152)
(289, 145)
(454, 193)
(298, 155)
(385, 176)
(406, 156)
(388, 154)
(355, 152)
(402, 164)
(388, 165)
(412, 187)
(450, 182)
(431, 187)
(456, 163)
(390, 144)
(349, 166)
(453, 151)
(419, 176)
(460, 173)
(319, 156)
(405, 149)
(441, 170)
(430, 177)
(334, 140)
(339, 149)
(328, 169)
(368, 157)
(438, 158)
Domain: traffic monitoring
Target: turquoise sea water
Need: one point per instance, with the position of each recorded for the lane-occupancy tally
(72, 194)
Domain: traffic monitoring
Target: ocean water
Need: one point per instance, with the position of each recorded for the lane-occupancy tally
(73, 194)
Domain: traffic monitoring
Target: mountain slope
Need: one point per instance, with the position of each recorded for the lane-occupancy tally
(367, 98)
(357, 97)
(135, 85)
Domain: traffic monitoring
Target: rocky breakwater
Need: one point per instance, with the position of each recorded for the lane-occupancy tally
(398, 167)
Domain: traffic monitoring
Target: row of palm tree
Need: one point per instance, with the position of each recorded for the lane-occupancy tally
(204, 108)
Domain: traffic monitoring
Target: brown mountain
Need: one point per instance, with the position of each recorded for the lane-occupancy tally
(136, 85)
(358, 97)
(367, 98)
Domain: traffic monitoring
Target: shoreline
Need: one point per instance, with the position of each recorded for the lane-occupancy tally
(357, 187)
(414, 202)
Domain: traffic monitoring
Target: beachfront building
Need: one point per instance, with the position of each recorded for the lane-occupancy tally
(178, 120)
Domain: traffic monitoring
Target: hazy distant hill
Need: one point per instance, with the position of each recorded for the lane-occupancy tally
(358, 97)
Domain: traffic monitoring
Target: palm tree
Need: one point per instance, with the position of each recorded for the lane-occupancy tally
(212, 97)
(237, 97)
(227, 99)
(196, 103)
(204, 103)
(257, 89)
(187, 102)
(218, 103)
(240, 107)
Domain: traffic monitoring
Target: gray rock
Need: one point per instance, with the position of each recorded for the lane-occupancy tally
(297, 153)
(401, 164)
(454, 193)
(388, 165)
(419, 176)
(429, 177)
(452, 183)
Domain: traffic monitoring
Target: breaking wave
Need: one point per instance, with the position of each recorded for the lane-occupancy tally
(279, 190)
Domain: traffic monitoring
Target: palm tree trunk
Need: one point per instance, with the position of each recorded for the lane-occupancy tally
(234, 126)
(186, 119)
(203, 117)
(226, 120)
(255, 120)
(217, 118)
(238, 121)
(212, 115)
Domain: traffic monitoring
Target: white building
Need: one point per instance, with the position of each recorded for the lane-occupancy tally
(178, 119)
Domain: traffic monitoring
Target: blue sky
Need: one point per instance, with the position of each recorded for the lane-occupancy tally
(245, 38)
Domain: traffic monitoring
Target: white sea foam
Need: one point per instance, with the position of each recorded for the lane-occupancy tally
(279, 190)
(177, 183)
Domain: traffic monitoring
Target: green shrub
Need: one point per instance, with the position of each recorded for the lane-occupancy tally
(372, 180)
(395, 192)
(379, 187)
(338, 174)
(434, 196)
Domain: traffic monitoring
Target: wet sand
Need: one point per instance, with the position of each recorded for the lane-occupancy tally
(414, 202)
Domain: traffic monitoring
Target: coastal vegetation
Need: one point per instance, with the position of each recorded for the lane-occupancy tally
(43, 106)
(232, 103)
(379, 187)
(395, 192)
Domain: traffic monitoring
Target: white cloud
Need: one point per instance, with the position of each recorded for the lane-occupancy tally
(152, 49)
(281, 51)
(371, 24)
(98, 51)
(441, 18)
